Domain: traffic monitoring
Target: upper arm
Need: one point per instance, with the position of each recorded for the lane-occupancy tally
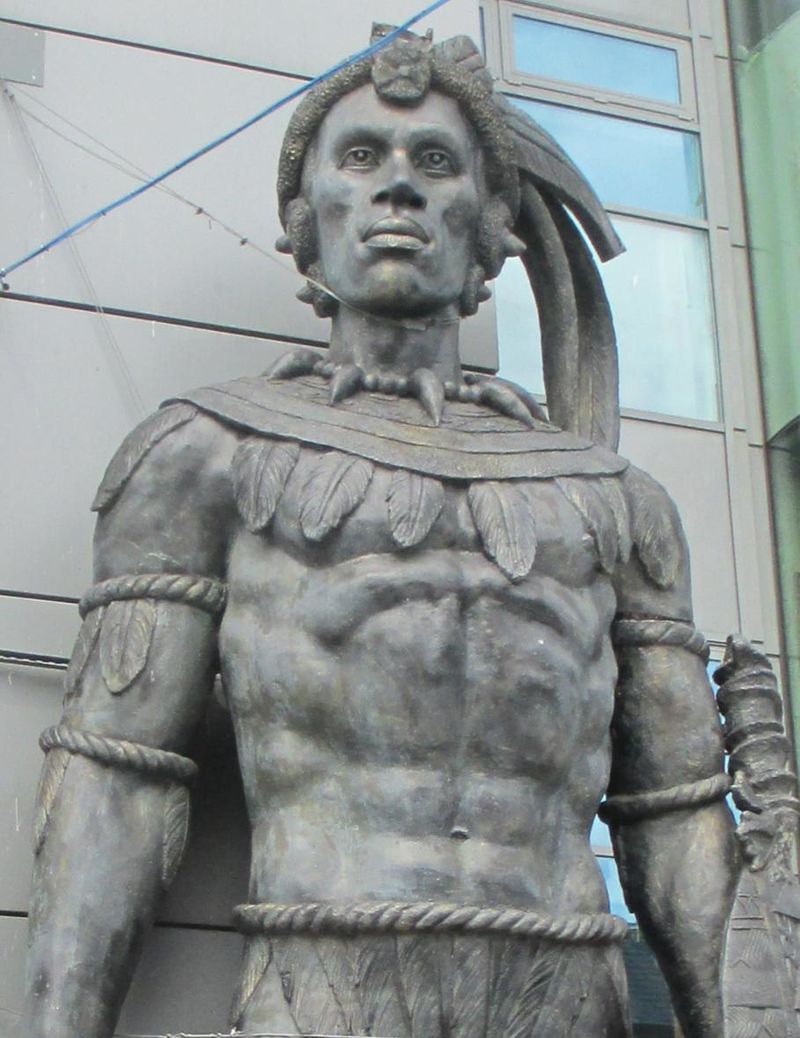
(144, 661)
(666, 728)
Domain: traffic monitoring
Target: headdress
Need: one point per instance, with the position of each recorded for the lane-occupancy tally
(545, 193)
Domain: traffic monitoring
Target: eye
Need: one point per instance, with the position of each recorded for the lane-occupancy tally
(436, 162)
(360, 158)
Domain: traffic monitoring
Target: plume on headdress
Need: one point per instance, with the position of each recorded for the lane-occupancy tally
(579, 350)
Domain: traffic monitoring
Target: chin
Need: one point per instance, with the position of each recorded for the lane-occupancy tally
(398, 291)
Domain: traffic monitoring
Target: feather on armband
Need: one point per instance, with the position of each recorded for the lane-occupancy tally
(62, 742)
(120, 617)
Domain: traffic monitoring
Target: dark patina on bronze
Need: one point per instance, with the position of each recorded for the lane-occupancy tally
(448, 624)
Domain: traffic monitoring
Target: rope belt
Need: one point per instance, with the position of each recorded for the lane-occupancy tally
(200, 592)
(119, 753)
(659, 632)
(632, 807)
(381, 917)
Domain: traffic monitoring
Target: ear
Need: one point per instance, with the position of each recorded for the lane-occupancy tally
(474, 292)
(495, 241)
(301, 233)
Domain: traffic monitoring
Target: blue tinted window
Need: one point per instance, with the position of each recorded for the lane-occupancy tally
(615, 897)
(628, 163)
(595, 59)
(601, 837)
(660, 295)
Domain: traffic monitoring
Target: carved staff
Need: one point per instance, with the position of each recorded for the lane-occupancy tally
(763, 945)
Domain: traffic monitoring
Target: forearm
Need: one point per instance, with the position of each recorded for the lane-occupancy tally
(678, 873)
(111, 813)
(99, 871)
(673, 834)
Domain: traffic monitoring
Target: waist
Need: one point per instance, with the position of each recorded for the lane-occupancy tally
(393, 917)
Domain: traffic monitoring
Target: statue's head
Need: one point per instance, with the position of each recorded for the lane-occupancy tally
(398, 186)
(405, 182)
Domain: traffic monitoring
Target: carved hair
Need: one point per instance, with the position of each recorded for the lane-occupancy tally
(403, 74)
(530, 183)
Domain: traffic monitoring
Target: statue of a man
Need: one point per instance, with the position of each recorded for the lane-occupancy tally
(446, 627)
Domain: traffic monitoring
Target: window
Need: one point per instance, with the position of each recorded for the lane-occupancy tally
(645, 164)
(597, 59)
(664, 176)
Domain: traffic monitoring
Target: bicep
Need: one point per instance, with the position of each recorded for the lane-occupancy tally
(142, 670)
(146, 655)
(666, 728)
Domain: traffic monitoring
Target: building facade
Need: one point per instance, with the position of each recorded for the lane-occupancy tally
(182, 287)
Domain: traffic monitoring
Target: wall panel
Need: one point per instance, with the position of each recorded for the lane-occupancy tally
(690, 463)
(65, 390)
(213, 876)
(183, 984)
(304, 37)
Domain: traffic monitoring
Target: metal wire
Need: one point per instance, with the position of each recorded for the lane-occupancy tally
(136, 172)
(223, 139)
(133, 170)
(55, 202)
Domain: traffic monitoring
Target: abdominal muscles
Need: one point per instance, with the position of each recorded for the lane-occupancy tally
(421, 732)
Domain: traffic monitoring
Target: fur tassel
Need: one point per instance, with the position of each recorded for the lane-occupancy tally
(176, 831)
(596, 515)
(257, 957)
(84, 646)
(611, 490)
(53, 772)
(309, 995)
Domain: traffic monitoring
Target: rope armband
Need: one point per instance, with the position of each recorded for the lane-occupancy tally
(392, 917)
(652, 631)
(119, 753)
(201, 592)
(633, 807)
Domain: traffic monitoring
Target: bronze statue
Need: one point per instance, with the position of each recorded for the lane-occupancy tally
(447, 625)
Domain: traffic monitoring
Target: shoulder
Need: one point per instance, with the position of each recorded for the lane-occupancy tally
(656, 529)
(657, 577)
(176, 447)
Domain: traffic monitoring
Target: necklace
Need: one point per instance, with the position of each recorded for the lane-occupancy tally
(423, 384)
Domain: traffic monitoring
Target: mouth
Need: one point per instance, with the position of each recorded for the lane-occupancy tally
(396, 232)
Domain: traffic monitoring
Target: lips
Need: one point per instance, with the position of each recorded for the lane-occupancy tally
(396, 232)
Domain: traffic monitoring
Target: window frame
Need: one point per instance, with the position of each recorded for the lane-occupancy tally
(627, 105)
(497, 38)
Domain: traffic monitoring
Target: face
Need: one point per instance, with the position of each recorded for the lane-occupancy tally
(395, 194)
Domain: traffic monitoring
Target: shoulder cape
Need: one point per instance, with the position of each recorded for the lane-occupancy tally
(471, 443)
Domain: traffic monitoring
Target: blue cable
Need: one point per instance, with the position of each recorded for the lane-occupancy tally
(297, 92)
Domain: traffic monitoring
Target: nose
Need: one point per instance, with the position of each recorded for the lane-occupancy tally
(398, 190)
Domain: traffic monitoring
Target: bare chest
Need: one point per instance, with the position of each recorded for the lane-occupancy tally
(413, 652)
